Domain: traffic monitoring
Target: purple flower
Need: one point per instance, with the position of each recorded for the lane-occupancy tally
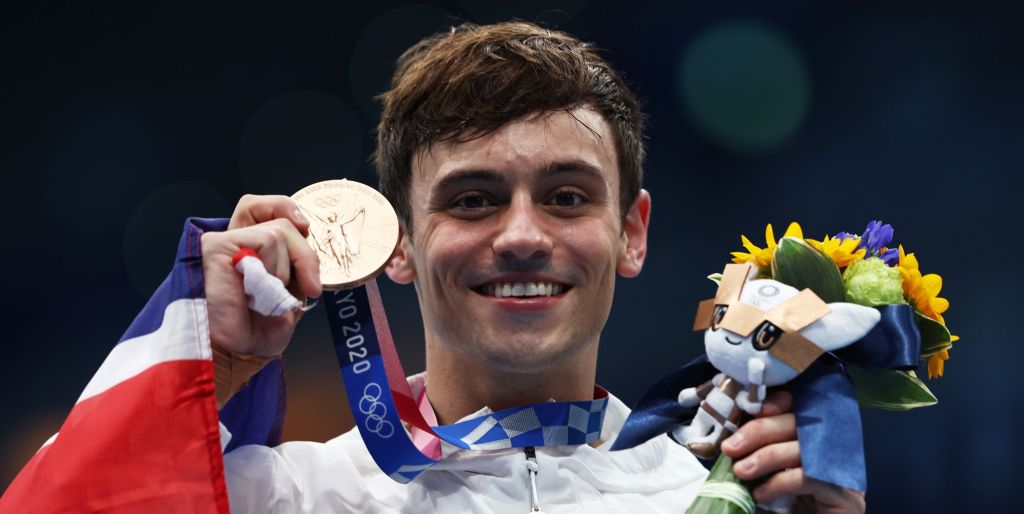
(875, 236)
(891, 256)
(874, 239)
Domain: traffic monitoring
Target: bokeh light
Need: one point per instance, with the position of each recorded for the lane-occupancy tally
(154, 228)
(744, 85)
(25, 441)
(297, 139)
(380, 44)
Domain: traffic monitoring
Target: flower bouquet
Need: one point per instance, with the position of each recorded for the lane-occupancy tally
(868, 271)
(842, 322)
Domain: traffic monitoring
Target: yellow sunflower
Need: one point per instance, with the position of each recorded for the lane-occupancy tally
(937, 362)
(763, 256)
(843, 252)
(922, 291)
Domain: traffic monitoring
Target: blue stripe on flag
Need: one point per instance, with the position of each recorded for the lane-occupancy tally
(255, 414)
(185, 280)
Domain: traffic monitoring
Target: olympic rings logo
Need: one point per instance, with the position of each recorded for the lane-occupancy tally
(371, 406)
(324, 202)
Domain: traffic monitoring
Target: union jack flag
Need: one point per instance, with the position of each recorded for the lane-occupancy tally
(144, 435)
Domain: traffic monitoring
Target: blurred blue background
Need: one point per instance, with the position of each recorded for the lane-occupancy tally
(121, 120)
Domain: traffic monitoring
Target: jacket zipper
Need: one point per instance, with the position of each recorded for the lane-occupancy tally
(532, 468)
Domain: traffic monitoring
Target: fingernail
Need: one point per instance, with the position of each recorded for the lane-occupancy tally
(745, 466)
(299, 216)
(734, 441)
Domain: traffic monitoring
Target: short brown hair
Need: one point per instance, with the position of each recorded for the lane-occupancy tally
(473, 79)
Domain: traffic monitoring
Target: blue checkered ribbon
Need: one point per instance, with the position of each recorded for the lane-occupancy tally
(540, 424)
(355, 327)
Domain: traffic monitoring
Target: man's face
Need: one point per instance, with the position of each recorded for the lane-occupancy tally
(516, 241)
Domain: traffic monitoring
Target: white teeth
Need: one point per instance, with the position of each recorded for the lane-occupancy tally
(523, 289)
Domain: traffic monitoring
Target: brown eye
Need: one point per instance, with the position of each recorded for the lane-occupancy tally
(716, 319)
(766, 335)
(472, 201)
(567, 199)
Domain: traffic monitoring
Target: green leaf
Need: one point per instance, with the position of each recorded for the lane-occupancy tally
(715, 277)
(934, 335)
(798, 264)
(890, 389)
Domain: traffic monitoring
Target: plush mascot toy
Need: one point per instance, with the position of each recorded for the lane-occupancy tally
(759, 333)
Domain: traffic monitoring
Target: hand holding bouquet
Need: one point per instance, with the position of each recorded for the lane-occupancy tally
(837, 321)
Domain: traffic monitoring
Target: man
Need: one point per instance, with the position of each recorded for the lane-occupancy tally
(513, 156)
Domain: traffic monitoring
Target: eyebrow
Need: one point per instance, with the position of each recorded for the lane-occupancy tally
(487, 175)
(468, 175)
(573, 166)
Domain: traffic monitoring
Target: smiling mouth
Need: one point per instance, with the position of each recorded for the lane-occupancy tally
(730, 341)
(522, 289)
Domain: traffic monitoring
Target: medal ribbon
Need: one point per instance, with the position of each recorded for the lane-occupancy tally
(381, 399)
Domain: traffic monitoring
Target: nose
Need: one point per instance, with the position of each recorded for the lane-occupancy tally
(522, 235)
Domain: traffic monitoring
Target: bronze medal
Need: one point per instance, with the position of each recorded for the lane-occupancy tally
(352, 228)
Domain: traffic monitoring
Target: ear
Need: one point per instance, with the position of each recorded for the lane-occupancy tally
(847, 323)
(402, 266)
(634, 236)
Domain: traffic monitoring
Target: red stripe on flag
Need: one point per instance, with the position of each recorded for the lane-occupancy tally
(149, 444)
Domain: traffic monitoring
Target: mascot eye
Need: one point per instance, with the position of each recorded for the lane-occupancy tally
(766, 335)
(716, 319)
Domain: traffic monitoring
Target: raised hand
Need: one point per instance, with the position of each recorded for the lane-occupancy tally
(275, 229)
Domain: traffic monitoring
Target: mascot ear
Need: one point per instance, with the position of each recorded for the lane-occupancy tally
(846, 324)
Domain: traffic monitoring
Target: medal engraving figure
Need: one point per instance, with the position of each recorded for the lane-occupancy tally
(352, 228)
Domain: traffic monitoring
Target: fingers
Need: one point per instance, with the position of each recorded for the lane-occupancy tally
(289, 228)
(793, 482)
(760, 432)
(275, 255)
(281, 248)
(294, 252)
(768, 447)
(306, 265)
(255, 209)
(768, 459)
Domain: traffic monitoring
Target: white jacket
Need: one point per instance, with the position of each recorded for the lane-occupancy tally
(340, 476)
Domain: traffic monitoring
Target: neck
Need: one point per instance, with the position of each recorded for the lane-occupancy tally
(459, 384)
